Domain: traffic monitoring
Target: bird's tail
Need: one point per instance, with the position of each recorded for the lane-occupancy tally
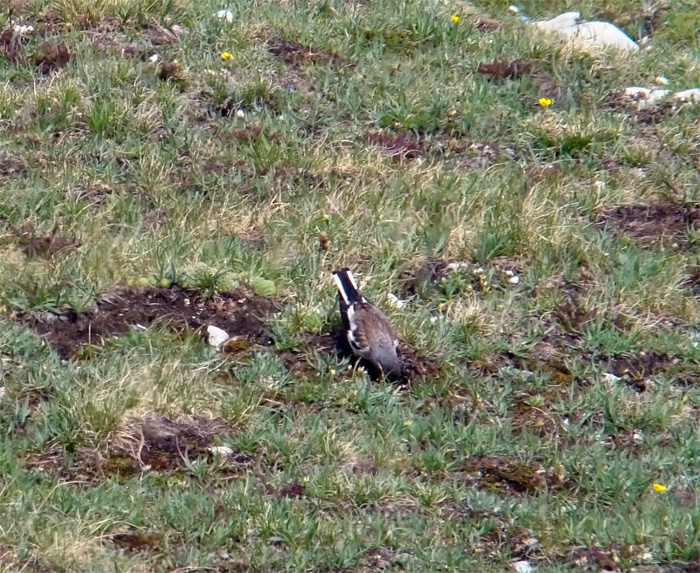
(347, 286)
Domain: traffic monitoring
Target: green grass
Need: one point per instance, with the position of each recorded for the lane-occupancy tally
(517, 443)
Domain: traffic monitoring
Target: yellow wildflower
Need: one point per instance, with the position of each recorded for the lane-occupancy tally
(332, 372)
(545, 101)
(660, 488)
(227, 56)
(455, 18)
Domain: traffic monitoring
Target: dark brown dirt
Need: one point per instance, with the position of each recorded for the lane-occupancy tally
(51, 57)
(597, 558)
(240, 313)
(154, 444)
(501, 69)
(636, 369)
(652, 223)
(296, 54)
(45, 246)
(692, 280)
(400, 147)
(12, 166)
(431, 274)
(10, 45)
(136, 542)
(291, 490)
(484, 24)
(171, 71)
(501, 475)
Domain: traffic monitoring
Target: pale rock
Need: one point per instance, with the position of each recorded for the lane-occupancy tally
(20, 30)
(514, 280)
(240, 114)
(216, 337)
(225, 15)
(523, 567)
(153, 59)
(609, 378)
(598, 35)
(688, 96)
(395, 301)
(221, 450)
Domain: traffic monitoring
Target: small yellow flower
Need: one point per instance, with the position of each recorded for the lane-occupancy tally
(332, 372)
(545, 101)
(407, 423)
(455, 18)
(227, 56)
(660, 488)
(306, 479)
(326, 217)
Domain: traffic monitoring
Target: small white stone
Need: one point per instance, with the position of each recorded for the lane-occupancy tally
(395, 301)
(479, 271)
(22, 30)
(661, 80)
(688, 96)
(225, 15)
(513, 9)
(514, 280)
(510, 273)
(153, 58)
(638, 437)
(240, 113)
(216, 337)
(609, 378)
(523, 567)
(221, 450)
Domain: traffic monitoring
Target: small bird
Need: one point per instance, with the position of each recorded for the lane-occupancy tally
(367, 329)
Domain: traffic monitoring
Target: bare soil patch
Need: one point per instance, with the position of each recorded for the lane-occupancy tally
(295, 54)
(399, 147)
(153, 444)
(503, 476)
(51, 57)
(241, 313)
(45, 246)
(652, 223)
(637, 369)
(12, 166)
(452, 276)
(503, 69)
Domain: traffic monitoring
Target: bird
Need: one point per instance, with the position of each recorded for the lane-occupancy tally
(366, 328)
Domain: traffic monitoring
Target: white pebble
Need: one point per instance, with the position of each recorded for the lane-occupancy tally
(221, 450)
(240, 113)
(523, 567)
(225, 15)
(514, 280)
(513, 9)
(609, 378)
(22, 30)
(153, 58)
(395, 301)
(661, 80)
(216, 337)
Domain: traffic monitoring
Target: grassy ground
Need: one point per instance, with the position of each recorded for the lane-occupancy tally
(548, 255)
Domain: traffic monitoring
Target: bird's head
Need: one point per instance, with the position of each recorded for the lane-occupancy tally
(384, 356)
